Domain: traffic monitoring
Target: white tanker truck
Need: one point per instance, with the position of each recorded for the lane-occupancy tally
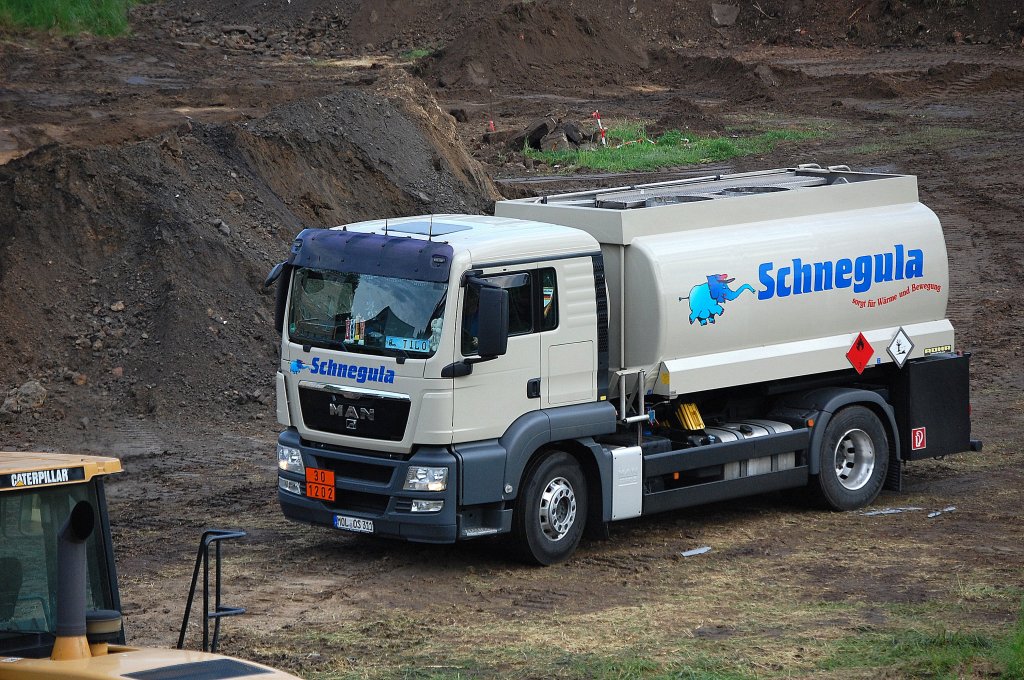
(590, 357)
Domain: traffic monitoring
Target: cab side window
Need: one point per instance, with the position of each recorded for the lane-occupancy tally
(532, 307)
(520, 308)
(548, 300)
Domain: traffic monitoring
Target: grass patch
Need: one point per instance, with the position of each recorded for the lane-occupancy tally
(536, 663)
(912, 653)
(417, 53)
(100, 17)
(731, 628)
(701, 667)
(403, 647)
(1010, 653)
(630, 149)
(941, 654)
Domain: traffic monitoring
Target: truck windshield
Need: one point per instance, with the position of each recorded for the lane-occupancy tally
(29, 523)
(365, 313)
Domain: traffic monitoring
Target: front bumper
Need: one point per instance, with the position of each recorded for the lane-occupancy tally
(370, 487)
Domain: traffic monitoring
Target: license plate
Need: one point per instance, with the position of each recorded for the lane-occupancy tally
(320, 484)
(364, 526)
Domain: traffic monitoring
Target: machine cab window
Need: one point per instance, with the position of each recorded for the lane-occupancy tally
(30, 521)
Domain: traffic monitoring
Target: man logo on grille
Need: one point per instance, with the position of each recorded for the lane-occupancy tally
(351, 414)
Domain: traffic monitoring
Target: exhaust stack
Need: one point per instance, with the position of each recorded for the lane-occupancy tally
(71, 642)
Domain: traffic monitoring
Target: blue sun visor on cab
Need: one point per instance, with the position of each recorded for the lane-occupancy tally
(377, 254)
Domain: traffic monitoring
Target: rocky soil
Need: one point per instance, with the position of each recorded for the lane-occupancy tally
(148, 184)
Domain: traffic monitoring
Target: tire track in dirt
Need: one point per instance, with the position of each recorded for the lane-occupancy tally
(982, 82)
(889, 62)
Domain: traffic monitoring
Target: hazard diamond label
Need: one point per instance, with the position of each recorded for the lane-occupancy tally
(900, 348)
(860, 353)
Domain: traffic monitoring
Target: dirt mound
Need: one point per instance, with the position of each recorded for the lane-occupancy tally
(686, 116)
(704, 77)
(876, 22)
(158, 250)
(272, 13)
(957, 78)
(399, 25)
(1001, 79)
(542, 45)
(872, 86)
(949, 74)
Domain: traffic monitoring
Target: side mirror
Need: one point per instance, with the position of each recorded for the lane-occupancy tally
(492, 329)
(274, 274)
(282, 274)
(492, 339)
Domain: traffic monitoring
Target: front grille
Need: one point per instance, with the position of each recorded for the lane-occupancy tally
(331, 448)
(354, 415)
(359, 501)
(366, 472)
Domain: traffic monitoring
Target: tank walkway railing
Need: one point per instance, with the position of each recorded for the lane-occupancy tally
(210, 537)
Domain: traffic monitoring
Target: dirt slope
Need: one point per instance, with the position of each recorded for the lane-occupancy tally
(400, 24)
(131, 275)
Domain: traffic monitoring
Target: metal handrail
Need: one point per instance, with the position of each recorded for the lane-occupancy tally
(210, 536)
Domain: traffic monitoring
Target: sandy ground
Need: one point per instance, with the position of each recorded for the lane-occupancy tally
(99, 138)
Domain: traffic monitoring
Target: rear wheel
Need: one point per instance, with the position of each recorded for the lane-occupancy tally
(854, 457)
(551, 510)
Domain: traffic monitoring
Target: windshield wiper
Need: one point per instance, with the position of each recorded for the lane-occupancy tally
(397, 352)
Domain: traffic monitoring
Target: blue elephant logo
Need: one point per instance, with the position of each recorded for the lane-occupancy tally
(706, 299)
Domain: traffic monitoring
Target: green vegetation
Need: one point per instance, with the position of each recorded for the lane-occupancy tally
(417, 53)
(913, 653)
(629, 148)
(942, 654)
(1011, 653)
(909, 645)
(101, 17)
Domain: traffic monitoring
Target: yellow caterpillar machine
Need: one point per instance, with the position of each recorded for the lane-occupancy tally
(59, 603)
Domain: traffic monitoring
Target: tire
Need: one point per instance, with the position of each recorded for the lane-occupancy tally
(551, 510)
(854, 457)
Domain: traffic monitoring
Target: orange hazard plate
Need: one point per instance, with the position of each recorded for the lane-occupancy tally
(320, 484)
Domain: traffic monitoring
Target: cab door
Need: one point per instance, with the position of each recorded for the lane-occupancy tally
(500, 390)
(568, 333)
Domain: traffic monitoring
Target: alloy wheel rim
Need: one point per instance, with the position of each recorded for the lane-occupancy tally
(557, 508)
(854, 459)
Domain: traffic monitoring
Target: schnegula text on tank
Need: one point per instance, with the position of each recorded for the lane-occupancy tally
(859, 273)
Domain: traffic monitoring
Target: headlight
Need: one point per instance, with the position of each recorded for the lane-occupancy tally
(426, 479)
(290, 459)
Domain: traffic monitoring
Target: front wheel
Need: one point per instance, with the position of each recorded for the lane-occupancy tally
(854, 457)
(551, 510)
